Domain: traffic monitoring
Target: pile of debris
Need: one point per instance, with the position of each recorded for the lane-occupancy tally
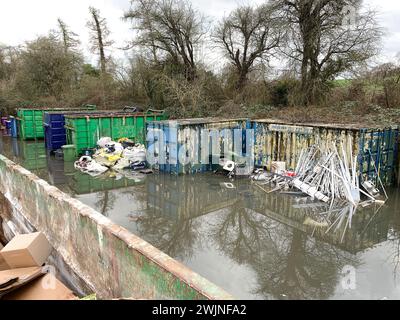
(116, 156)
(238, 168)
(329, 175)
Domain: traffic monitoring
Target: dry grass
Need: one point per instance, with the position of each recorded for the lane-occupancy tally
(350, 113)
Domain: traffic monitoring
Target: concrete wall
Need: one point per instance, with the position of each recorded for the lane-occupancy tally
(111, 260)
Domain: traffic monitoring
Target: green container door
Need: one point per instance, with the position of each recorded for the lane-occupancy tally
(31, 124)
(84, 131)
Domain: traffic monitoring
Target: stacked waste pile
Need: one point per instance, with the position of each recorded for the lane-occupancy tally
(116, 156)
(328, 175)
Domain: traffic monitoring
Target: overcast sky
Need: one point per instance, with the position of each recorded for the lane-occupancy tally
(22, 20)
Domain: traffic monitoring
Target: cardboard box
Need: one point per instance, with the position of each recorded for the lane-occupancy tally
(11, 280)
(3, 264)
(27, 250)
(46, 287)
(278, 167)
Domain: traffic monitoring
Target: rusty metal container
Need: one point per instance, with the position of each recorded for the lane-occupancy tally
(184, 139)
(376, 148)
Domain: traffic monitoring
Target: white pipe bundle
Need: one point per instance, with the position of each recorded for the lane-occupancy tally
(327, 175)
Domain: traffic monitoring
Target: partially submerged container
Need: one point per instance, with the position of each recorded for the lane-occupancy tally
(69, 152)
(14, 127)
(84, 131)
(376, 148)
(195, 145)
(55, 133)
(31, 120)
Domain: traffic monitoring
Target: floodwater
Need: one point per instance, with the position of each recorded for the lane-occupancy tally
(252, 244)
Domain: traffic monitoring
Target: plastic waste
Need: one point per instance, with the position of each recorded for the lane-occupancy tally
(122, 164)
(136, 166)
(229, 166)
(106, 159)
(126, 143)
(121, 155)
(134, 154)
(103, 142)
(114, 147)
(87, 165)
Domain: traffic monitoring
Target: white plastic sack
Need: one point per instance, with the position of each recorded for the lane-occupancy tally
(103, 142)
(122, 164)
(135, 154)
(96, 167)
(82, 163)
(87, 165)
(116, 146)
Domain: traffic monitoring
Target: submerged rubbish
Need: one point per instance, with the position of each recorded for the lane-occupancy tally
(117, 156)
(240, 168)
(87, 165)
(328, 175)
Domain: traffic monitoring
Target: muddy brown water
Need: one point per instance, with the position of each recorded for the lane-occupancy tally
(253, 245)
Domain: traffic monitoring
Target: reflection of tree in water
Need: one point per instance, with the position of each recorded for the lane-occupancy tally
(302, 268)
(287, 262)
(394, 238)
(105, 202)
(239, 232)
(175, 237)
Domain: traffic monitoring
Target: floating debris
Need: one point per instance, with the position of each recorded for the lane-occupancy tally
(328, 175)
(120, 157)
(87, 165)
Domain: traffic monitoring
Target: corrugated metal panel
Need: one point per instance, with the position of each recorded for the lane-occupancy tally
(84, 131)
(184, 147)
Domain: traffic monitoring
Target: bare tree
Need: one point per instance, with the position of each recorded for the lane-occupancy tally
(327, 38)
(248, 34)
(99, 37)
(170, 29)
(66, 36)
(9, 58)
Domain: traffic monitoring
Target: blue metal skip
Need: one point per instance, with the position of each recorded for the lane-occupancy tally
(182, 140)
(54, 130)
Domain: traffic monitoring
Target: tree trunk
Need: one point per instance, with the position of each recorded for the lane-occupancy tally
(242, 80)
(101, 45)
